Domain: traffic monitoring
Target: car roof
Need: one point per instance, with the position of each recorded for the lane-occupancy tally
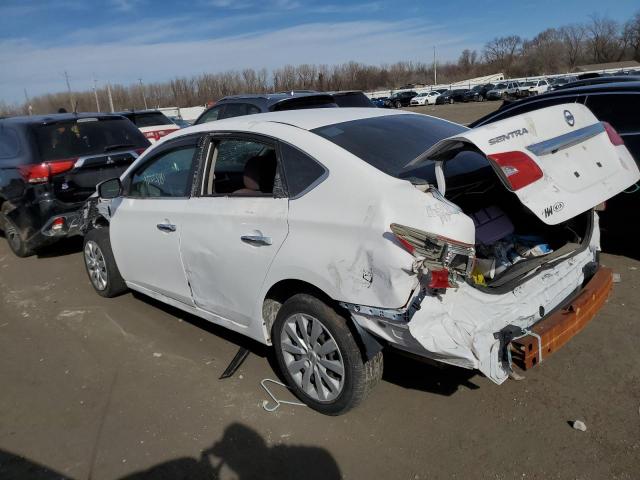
(270, 99)
(306, 119)
(124, 113)
(54, 118)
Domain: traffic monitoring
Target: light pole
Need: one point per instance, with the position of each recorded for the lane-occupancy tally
(144, 97)
(95, 94)
(435, 67)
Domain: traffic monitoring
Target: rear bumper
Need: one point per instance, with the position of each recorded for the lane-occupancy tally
(557, 329)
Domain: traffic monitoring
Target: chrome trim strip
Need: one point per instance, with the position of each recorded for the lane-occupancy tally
(567, 140)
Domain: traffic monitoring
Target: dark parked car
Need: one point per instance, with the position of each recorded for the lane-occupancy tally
(617, 103)
(452, 96)
(400, 99)
(478, 93)
(599, 79)
(50, 165)
(238, 105)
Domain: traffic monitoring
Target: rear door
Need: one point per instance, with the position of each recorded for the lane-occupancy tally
(560, 161)
(233, 230)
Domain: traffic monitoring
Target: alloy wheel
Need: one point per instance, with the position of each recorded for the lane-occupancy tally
(96, 265)
(13, 236)
(312, 357)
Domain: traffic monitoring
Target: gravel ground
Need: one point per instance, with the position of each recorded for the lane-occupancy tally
(94, 388)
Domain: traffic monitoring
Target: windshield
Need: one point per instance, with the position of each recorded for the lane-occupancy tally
(87, 136)
(351, 99)
(389, 142)
(501, 86)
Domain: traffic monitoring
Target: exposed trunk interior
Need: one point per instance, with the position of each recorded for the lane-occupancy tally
(510, 240)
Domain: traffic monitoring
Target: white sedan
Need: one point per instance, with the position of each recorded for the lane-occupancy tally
(332, 233)
(424, 98)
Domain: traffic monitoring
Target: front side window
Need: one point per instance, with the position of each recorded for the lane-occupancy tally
(166, 176)
(240, 167)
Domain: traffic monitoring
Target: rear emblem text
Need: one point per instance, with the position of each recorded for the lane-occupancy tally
(508, 136)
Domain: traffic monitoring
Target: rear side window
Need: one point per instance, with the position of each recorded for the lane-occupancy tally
(150, 119)
(300, 170)
(9, 143)
(389, 142)
(620, 110)
(233, 110)
(87, 137)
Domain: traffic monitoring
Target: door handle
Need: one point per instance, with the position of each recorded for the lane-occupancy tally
(256, 239)
(166, 227)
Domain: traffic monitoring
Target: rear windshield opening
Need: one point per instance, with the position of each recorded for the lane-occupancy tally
(391, 142)
(87, 137)
(149, 119)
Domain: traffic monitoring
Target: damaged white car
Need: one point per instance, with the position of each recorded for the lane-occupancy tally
(331, 233)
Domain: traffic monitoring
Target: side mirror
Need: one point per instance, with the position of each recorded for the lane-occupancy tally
(108, 189)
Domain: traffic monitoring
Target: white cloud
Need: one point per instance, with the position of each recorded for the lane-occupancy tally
(39, 69)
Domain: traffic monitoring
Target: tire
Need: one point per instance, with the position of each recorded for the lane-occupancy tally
(398, 105)
(341, 392)
(14, 238)
(101, 265)
(451, 101)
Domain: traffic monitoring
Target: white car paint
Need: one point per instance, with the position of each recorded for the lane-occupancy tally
(425, 98)
(336, 236)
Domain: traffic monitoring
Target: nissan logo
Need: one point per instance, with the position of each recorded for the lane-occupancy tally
(568, 117)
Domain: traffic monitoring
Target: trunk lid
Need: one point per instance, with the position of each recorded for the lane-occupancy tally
(560, 161)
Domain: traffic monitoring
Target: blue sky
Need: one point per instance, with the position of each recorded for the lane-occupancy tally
(122, 40)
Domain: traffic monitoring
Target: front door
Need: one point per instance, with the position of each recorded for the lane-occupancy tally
(146, 224)
(232, 232)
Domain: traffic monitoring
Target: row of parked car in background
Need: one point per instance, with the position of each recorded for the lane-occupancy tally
(508, 90)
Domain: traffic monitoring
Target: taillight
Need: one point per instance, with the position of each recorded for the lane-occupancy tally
(441, 255)
(614, 137)
(41, 172)
(518, 168)
(439, 279)
(57, 224)
(151, 135)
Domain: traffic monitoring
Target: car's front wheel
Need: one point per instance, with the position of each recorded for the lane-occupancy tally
(320, 358)
(398, 105)
(101, 265)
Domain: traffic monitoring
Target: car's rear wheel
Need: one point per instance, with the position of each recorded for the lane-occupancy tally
(16, 242)
(320, 358)
(101, 265)
(451, 100)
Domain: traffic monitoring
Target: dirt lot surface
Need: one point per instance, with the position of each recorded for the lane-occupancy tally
(128, 388)
(463, 113)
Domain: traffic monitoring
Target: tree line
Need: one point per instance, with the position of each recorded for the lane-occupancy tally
(554, 50)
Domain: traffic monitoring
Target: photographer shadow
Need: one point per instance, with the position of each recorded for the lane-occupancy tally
(243, 454)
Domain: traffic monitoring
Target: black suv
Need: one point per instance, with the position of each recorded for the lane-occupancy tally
(50, 165)
(400, 99)
(617, 103)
